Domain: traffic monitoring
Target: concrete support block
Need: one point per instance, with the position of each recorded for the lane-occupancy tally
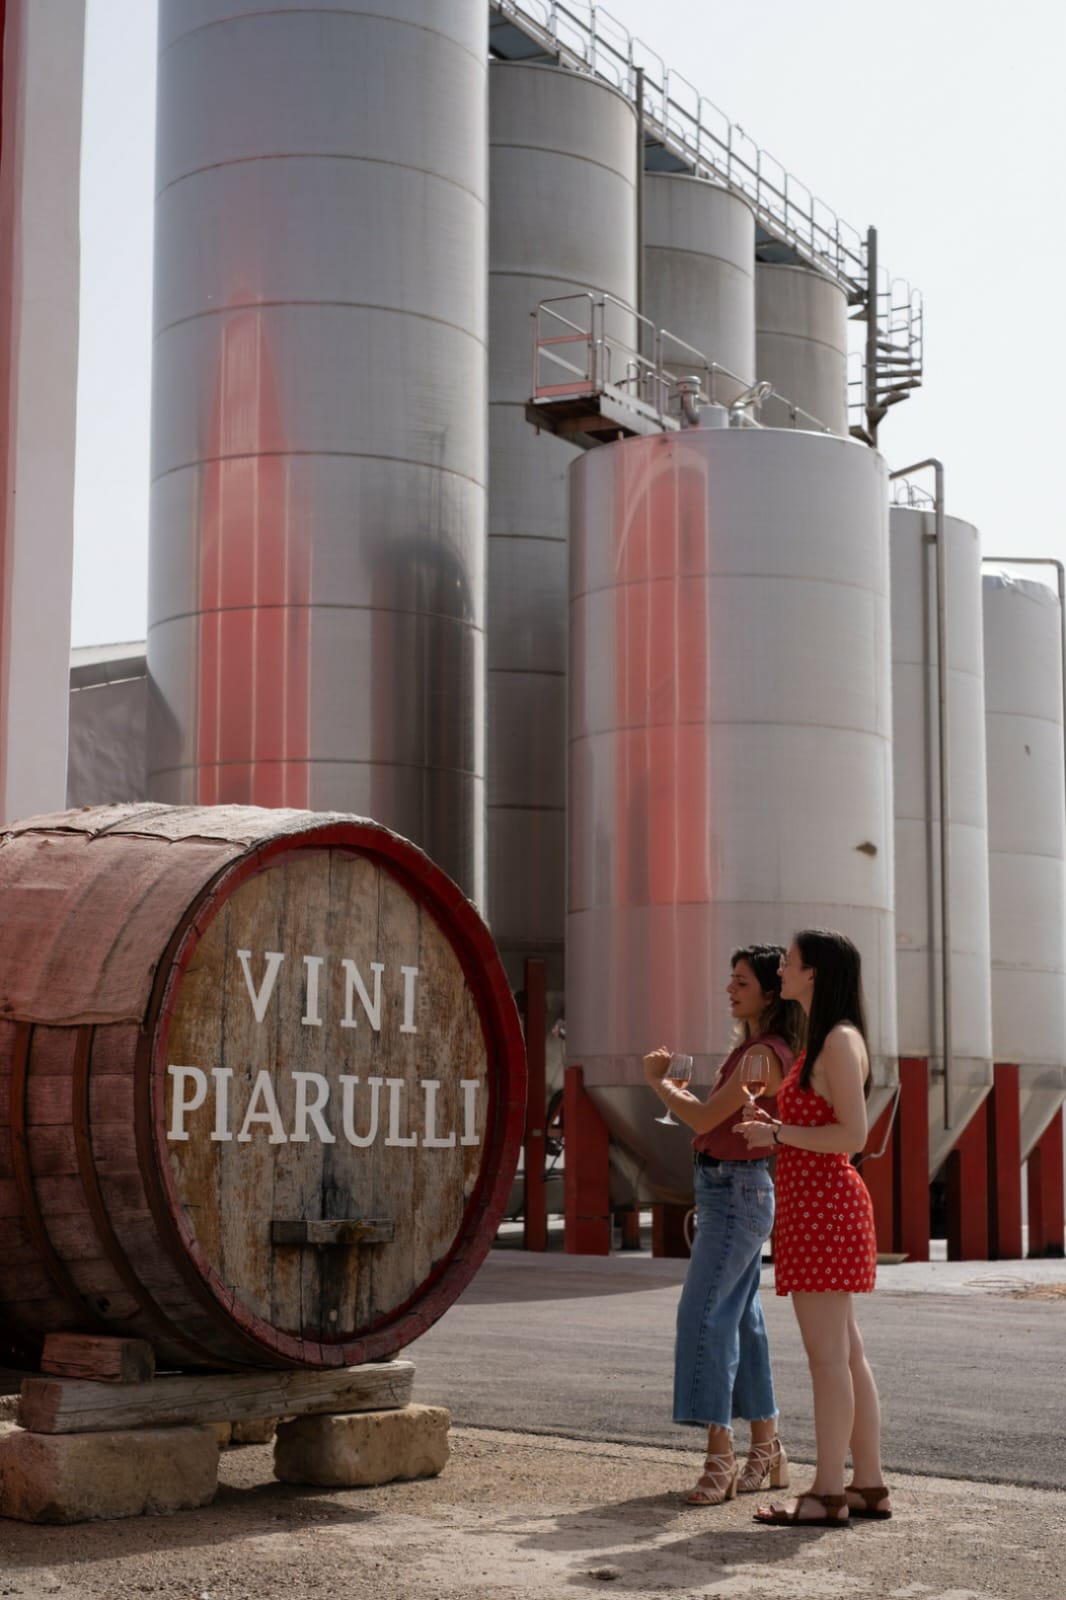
(254, 1430)
(367, 1448)
(77, 1477)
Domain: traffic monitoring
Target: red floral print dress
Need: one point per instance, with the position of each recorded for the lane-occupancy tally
(824, 1238)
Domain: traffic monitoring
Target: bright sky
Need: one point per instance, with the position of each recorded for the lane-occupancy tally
(942, 122)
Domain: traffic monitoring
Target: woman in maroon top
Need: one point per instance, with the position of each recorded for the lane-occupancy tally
(722, 1357)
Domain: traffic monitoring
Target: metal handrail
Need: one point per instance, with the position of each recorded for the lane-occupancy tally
(613, 363)
(690, 124)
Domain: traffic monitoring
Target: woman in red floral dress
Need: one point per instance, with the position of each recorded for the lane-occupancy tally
(825, 1249)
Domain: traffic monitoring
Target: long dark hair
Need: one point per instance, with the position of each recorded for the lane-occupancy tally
(782, 1017)
(837, 993)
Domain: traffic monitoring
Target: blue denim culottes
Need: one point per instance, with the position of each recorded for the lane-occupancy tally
(722, 1356)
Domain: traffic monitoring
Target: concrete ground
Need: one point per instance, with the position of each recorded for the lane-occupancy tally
(558, 1508)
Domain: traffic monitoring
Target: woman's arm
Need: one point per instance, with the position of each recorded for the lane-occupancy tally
(721, 1105)
(843, 1066)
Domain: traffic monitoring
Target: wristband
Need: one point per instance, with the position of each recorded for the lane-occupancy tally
(777, 1132)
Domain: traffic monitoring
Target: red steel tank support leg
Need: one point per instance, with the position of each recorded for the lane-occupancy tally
(1004, 1165)
(911, 1159)
(630, 1221)
(668, 1230)
(535, 1224)
(586, 1187)
(879, 1175)
(967, 1191)
(1047, 1209)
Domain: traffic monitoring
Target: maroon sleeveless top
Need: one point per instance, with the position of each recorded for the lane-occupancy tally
(724, 1142)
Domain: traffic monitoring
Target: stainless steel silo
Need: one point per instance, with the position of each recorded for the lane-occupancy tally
(730, 745)
(563, 153)
(920, 974)
(1027, 841)
(801, 345)
(699, 276)
(316, 613)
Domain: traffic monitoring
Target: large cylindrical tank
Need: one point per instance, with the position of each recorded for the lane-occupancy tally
(1027, 840)
(699, 276)
(730, 745)
(801, 345)
(317, 550)
(563, 154)
(917, 816)
(261, 1084)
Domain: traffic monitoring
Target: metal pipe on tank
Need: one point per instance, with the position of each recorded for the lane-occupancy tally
(942, 761)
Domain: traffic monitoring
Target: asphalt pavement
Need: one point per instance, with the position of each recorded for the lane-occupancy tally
(969, 1359)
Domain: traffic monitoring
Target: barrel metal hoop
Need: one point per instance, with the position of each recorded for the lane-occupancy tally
(90, 1182)
(23, 1170)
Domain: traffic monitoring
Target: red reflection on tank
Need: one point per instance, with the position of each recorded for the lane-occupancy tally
(255, 561)
(662, 690)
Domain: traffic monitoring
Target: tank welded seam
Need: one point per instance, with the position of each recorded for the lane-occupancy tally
(566, 155)
(525, 538)
(1015, 717)
(339, 455)
(1024, 855)
(698, 256)
(241, 307)
(527, 672)
(90, 1182)
(715, 722)
(798, 338)
(324, 761)
(23, 1173)
(327, 11)
(578, 285)
(547, 808)
(617, 584)
(325, 605)
(321, 155)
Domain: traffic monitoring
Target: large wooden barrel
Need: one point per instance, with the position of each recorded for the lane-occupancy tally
(261, 1085)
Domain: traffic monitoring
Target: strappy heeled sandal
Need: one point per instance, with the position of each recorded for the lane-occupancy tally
(719, 1482)
(871, 1501)
(781, 1517)
(766, 1460)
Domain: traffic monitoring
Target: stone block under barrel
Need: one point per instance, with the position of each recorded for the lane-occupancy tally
(261, 1085)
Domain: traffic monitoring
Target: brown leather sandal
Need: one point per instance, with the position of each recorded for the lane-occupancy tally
(871, 1498)
(781, 1517)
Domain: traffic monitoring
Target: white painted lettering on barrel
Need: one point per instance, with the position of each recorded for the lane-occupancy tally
(361, 1140)
(181, 1102)
(310, 1110)
(430, 1140)
(395, 1090)
(263, 1090)
(353, 983)
(409, 976)
(311, 1018)
(469, 1087)
(222, 1075)
(261, 998)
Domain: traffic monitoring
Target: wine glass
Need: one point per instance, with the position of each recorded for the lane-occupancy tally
(679, 1071)
(754, 1078)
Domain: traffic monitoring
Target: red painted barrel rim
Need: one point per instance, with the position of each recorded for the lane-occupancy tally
(506, 1071)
